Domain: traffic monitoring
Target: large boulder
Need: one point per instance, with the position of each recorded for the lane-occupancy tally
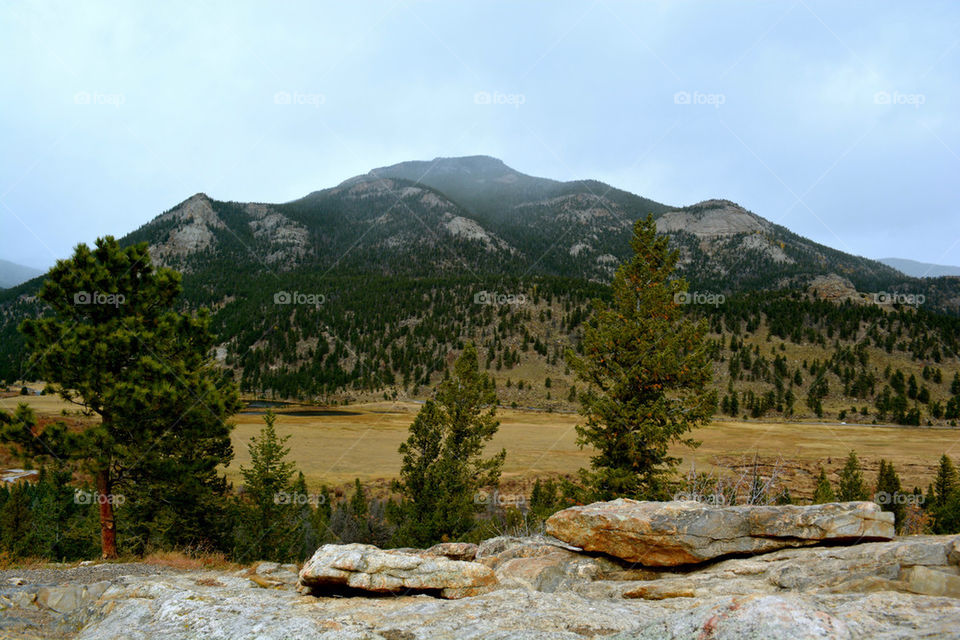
(667, 534)
(367, 568)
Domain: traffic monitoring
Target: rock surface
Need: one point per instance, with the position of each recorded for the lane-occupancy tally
(666, 534)
(365, 567)
(531, 588)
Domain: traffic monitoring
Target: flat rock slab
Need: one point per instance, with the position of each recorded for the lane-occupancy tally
(365, 567)
(666, 534)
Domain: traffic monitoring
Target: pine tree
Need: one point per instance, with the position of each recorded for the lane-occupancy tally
(269, 512)
(889, 490)
(823, 493)
(443, 467)
(946, 481)
(114, 345)
(943, 498)
(852, 486)
(647, 368)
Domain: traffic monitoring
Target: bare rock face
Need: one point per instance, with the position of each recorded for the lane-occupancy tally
(547, 590)
(367, 568)
(747, 617)
(666, 534)
(465, 551)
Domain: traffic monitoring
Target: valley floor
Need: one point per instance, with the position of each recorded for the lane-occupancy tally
(360, 441)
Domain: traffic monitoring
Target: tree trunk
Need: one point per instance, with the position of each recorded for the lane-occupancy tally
(108, 533)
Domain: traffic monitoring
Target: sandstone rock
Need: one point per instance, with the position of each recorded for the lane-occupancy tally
(273, 574)
(953, 554)
(543, 564)
(60, 599)
(685, 532)
(365, 567)
(930, 582)
(751, 617)
(465, 551)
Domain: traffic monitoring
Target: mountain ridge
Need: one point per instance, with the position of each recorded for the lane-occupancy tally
(917, 269)
(13, 274)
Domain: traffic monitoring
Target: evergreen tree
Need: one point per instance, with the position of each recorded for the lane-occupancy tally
(647, 368)
(269, 514)
(114, 346)
(443, 467)
(946, 481)
(889, 490)
(943, 498)
(852, 486)
(823, 492)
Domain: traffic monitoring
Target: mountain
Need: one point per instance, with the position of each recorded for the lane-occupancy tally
(476, 216)
(403, 264)
(12, 274)
(917, 269)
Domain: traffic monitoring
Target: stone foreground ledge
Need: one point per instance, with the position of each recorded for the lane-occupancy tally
(666, 534)
(368, 568)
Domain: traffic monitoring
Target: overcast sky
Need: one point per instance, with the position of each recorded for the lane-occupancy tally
(837, 120)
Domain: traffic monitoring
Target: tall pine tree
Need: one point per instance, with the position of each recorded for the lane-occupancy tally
(114, 345)
(443, 468)
(852, 486)
(647, 371)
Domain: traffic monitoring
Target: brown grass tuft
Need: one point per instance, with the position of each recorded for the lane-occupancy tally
(191, 561)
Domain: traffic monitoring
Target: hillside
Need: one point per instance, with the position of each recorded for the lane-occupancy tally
(918, 269)
(369, 288)
(12, 274)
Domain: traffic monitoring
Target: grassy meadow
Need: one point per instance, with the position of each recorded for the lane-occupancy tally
(334, 445)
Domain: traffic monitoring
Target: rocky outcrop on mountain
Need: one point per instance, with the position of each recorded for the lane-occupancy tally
(367, 568)
(836, 289)
(192, 223)
(687, 532)
(712, 218)
(533, 588)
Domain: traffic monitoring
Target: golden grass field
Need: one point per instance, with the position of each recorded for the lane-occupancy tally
(362, 443)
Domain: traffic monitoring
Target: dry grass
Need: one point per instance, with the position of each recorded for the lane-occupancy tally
(192, 561)
(8, 562)
(335, 449)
